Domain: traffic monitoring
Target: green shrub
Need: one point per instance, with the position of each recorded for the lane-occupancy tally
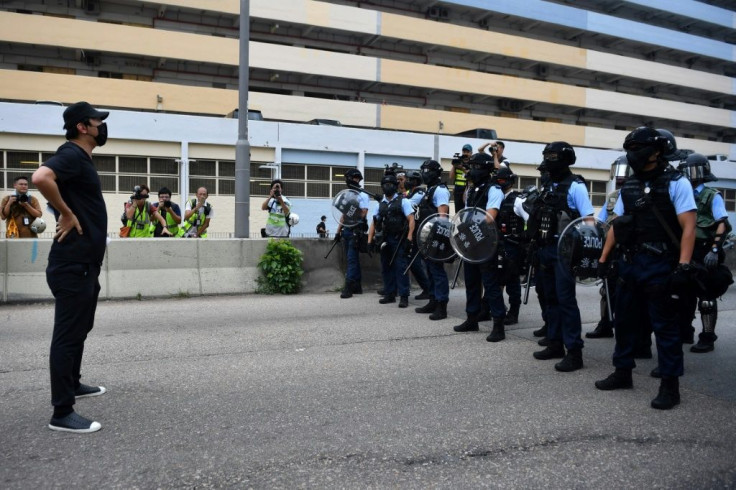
(281, 266)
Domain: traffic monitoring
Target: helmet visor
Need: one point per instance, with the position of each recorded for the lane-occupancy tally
(693, 173)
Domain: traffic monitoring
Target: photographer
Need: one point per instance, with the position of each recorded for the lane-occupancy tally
(19, 210)
(496, 151)
(278, 208)
(197, 216)
(170, 211)
(139, 214)
(457, 174)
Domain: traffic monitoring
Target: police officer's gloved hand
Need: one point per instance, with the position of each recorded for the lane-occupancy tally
(711, 260)
(681, 278)
(408, 249)
(604, 268)
(338, 237)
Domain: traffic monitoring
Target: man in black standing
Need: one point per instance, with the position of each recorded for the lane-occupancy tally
(70, 183)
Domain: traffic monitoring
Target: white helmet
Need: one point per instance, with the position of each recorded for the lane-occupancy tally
(38, 225)
(293, 219)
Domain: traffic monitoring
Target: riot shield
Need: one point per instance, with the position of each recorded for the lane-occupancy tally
(580, 246)
(433, 238)
(346, 208)
(474, 235)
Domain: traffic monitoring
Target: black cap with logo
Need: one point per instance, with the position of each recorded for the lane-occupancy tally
(79, 112)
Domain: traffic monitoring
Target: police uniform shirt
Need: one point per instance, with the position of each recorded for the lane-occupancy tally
(441, 196)
(717, 206)
(406, 206)
(416, 198)
(681, 195)
(363, 200)
(578, 200)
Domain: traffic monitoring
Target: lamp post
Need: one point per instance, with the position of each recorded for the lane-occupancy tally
(242, 147)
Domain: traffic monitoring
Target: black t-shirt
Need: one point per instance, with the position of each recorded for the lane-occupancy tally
(80, 189)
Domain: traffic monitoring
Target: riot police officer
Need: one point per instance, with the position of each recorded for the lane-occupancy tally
(563, 197)
(656, 229)
(351, 237)
(415, 193)
(711, 228)
(510, 221)
(435, 200)
(393, 224)
(484, 194)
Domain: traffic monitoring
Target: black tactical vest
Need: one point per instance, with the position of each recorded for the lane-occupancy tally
(426, 205)
(391, 217)
(478, 196)
(544, 218)
(639, 198)
(509, 224)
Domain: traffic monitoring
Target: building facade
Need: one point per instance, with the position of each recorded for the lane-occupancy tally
(403, 78)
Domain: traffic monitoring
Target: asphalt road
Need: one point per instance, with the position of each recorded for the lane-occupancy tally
(314, 391)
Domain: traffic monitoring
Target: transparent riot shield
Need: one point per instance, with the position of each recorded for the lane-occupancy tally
(346, 208)
(433, 238)
(474, 235)
(580, 246)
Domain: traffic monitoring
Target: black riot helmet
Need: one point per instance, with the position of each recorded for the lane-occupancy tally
(671, 152)
(696, 169)
(389, 184)
(504, 177)
(431, 172)
(350, 177)
(413, 179)
(481, 167)
(557, 156)
(641, 144)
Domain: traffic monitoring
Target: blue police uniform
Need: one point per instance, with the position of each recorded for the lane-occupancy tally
(418, 267)
(646, 265)
(562, 312)
(439, 285)
(511, 227)
(482, 282)
(394, 230)
(349, 237)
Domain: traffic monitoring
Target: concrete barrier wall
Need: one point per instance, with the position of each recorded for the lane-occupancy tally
(158, 267)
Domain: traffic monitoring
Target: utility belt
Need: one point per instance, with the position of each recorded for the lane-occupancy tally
(654, 249)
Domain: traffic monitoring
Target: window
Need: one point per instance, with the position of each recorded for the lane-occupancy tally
(729, 198)
(133, 165)
(164, 166)
(598, 193)
(205, 168)
(157, 182)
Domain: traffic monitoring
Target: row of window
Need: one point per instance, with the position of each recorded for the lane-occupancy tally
(121, 173)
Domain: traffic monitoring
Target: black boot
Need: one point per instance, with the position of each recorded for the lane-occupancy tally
(347, 291)
(618, 380)
(498, 333)
(387, 299)
(423, 295)
(469, 325)
(654, 373)
(357, 288)
(540, 332)
(428, 308)
(603, 330)
(440, 311)
(404, 302)
(669, 393)
(705, 343)
(554, 350)
(543, 342)
(572, 361)
(512, 316)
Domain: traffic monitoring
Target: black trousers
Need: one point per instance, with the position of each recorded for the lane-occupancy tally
(75, 287)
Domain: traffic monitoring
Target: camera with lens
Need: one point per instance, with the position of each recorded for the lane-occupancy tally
(276, 190)
(494, 148)
(167, 204)
(137, 193)
(23, 198)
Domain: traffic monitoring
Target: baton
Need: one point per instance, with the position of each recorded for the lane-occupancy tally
(457, 273)
(332, 247)
(398, 247)
(608, 299)
(528, 283)
(411, 263)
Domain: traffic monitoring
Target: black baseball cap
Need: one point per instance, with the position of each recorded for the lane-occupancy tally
(81, 111)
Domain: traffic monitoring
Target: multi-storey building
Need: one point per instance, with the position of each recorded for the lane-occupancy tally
(403, 76)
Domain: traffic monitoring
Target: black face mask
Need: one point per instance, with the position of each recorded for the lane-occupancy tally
(479, 175)
(101, 137)
(389, 188)
(638, 159)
